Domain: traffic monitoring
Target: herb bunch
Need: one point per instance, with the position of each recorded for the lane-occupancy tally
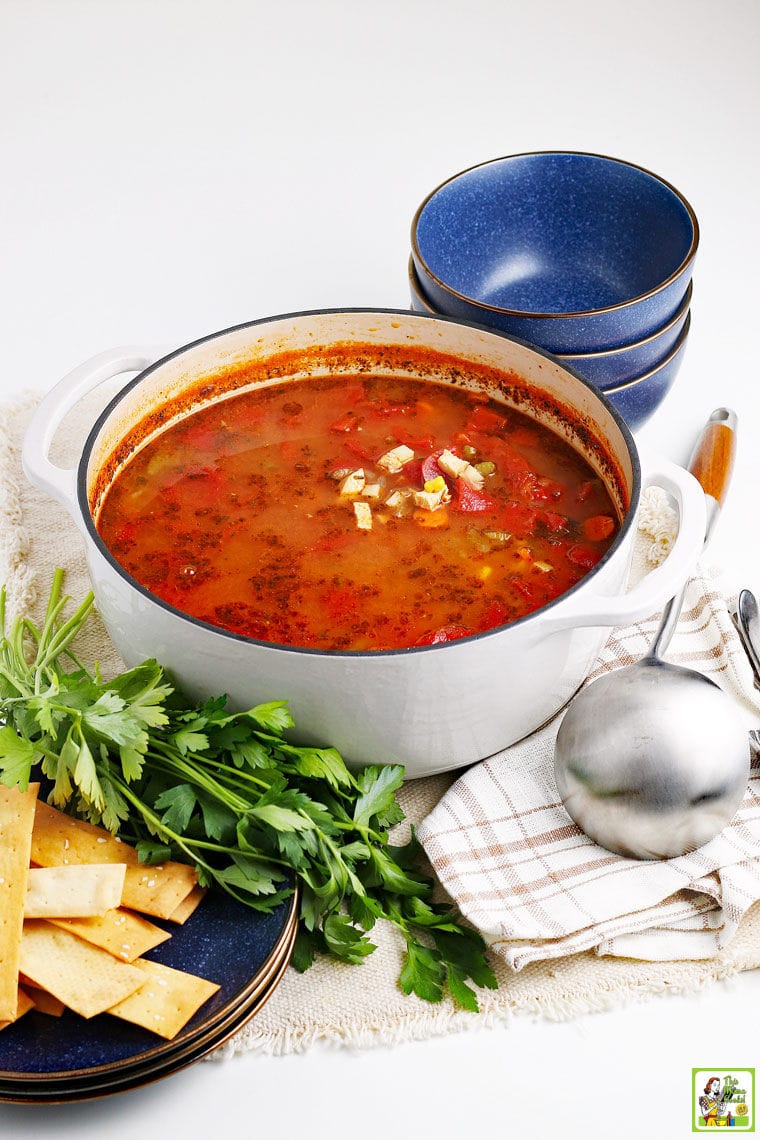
(227, 792)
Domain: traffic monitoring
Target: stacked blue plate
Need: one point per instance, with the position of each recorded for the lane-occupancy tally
(53, 1060)
(587, 257)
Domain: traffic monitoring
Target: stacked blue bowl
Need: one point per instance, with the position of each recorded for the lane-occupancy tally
(587, 257)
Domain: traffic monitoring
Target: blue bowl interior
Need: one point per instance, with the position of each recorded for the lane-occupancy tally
(554, 233)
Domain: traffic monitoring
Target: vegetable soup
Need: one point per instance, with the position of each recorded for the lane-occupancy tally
(357, 513)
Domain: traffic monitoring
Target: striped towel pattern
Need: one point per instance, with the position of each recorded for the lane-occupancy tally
(523, 873)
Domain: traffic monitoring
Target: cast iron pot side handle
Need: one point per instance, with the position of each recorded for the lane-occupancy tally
(656, 588)
(60, 482)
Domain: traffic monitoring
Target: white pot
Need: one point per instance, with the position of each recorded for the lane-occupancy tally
(431, 708)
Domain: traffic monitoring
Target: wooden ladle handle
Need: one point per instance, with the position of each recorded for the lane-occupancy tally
(712, 461)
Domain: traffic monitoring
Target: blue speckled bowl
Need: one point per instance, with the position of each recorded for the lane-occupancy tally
(614, 366)
(638, 400)
(572, 252)
(609, 367)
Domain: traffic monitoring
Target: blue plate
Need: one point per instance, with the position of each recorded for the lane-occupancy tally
(223, 941)
(107, 1082)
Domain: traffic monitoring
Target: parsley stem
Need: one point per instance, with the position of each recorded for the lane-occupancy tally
(173, 763)
(170, 753)
(13, 680)
(54, 646)
(156, 824)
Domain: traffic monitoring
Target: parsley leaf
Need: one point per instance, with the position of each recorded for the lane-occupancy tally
(378, 787)
(17, 756)
(423, 972)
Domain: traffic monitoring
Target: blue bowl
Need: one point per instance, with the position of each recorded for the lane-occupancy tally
(638, 400)
(420, 303)
(611, 367)
(608, 367)
(573, 252)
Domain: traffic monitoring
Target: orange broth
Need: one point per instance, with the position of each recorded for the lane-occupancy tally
(357, 513)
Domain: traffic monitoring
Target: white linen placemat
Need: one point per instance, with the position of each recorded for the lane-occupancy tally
(355, 1006)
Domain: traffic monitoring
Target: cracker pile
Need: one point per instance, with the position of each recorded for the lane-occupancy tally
(73, 901)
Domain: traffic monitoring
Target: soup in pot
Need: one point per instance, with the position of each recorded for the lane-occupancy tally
(357, 513)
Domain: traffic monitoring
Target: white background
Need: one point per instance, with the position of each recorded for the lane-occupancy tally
(168, 169)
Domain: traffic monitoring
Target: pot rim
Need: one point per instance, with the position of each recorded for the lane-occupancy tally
(353, 654)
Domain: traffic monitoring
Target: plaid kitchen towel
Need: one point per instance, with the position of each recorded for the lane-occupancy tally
(522, 872)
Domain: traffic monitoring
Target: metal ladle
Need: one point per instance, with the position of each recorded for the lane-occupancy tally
(652, 760)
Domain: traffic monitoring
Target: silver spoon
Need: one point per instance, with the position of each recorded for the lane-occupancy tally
(652, 760)
(747, 622)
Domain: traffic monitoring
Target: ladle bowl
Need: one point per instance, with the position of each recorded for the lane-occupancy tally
(652, 760)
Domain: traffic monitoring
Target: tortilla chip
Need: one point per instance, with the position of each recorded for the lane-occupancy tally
(83, 890)
(84, 977)
(158, 890)
(17, 811)
(43, 1001)
(167, 1000)
(187, 906)
(120, 932)
(59, 840)
(24, 1002)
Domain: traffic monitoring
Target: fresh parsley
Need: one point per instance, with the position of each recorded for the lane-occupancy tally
(228, 793)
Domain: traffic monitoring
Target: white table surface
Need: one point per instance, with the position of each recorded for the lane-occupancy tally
(168, 169)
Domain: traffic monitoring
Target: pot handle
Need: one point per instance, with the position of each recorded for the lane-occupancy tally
(60, 482)
(660, 584)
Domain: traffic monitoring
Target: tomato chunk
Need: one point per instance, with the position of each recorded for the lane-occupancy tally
(485, 419)
(496, 614)
(584, 556)
(553, 521)
(519, 519)
(345, 423)
(509, 461)
(412, 473)
(430, 468)
(416, 442)
(598, 527)
(356, 451)
(467, 498)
